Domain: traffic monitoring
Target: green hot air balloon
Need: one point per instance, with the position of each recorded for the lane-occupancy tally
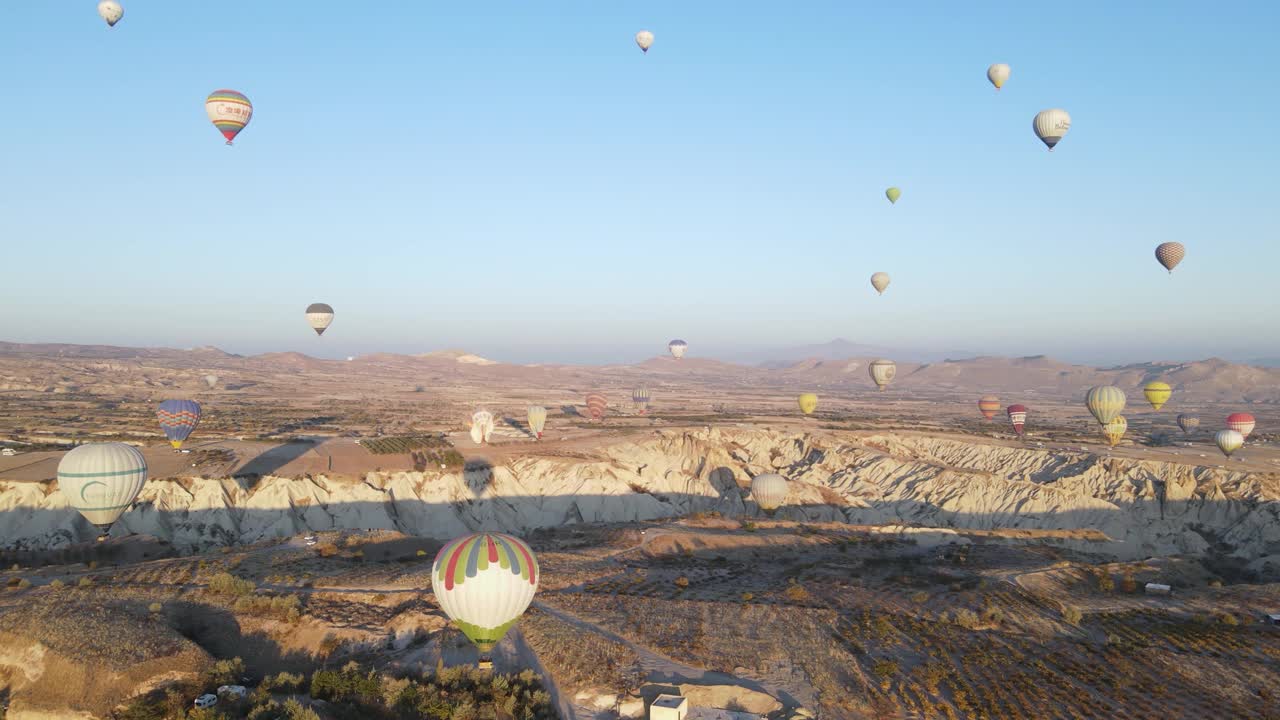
(893, 194)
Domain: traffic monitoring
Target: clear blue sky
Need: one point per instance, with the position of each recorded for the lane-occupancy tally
(517, 179)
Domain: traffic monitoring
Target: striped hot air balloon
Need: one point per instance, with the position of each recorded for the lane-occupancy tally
(319, 317)
(1017, 417)
(596, 405)
(769, 491)
(1105, 402)
(178, 419)
(1157, 393)
(1188, 422)
(640, 396)
(101, 480)
(537, 419)
(1115, 430)
(484, 583)
(1229, 441)
(1051, 126)
(882, 372)
(229, 111)
(808, 403)
(677, 348)
(1170, 254)
(1242, 423)
(989, 405)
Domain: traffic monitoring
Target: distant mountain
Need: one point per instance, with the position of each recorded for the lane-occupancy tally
(840, 349)
(109, 352)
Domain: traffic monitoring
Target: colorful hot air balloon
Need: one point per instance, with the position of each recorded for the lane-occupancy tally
(537, 419)
(640, 396)
(229, 111)
(178, 419)
(481, 426)
(1105, 402)
(319, 317)
(893, 194)
(989, 405)
(1051, 125)
(677, 348)
(1242, 423)
(808, 403)
(1017, 417)
(880, 281)
(998, 74)
(1157, 393)
(110, 11)
(769, 491)
(1188, 422)
(101, 480)
(1170, 254)
(1115, 430)
(596, 404)
(882, 372)
(211, 381)
(1229, 441)
(484, 583)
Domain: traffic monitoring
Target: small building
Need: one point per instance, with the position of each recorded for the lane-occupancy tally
(669, 707)
(1272, 619)
(206, 701)
(1158, 589)
(235, 692)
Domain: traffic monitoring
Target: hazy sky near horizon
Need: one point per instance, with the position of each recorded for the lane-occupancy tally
(519, 180)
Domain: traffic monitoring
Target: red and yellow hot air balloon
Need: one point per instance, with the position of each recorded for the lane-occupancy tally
(1114, 430)
(229, 111)
(989, 405)
(596, 405)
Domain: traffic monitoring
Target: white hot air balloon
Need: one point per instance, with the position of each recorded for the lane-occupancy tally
(677, 348)
(880, 281)
(882, 372)
(769, 490)
(1229, 441)
(1051, 125)
(110, 11)
(484, 583)
(101, 480)
(319, 317)
(211, 381)
(998, 74)
(481, 426)
(537, 419)
(644, 39)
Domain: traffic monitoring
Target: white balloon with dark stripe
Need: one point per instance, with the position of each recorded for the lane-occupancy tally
(102, 480)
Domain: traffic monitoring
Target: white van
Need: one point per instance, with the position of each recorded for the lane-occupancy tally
(207, 700)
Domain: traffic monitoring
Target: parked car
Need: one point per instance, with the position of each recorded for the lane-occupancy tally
(235, 692)
(207, 700)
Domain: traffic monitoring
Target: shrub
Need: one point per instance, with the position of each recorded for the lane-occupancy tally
(1128, 584)
(885, 668)
(993, 615)
(287, 608)
(57, 585)
(1071, 614)
(920, 598)
(155, 607)
(796, 593)
(230, 585)
(224, 672)
(748, 597)
(85, 581)
(422, 553)
(682, 582)
(1227, 618)
(283, 682)
(748, 526)
(965, 618)
(1106, 583)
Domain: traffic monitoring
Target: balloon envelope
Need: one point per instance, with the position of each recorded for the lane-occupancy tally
(178, 419)
(229, 111)
(1229, 441)
(481, 425)
(1157, 393)
(319, 317)
(537, 419)
(1017, 417)
(769, 491)
(880, 281)
(1242, 423)
(1188, 422)
(211, 381)
(677, 348)
(808, 403)
(882, 372)
(998, 74)
(1105, 402)
(644, 39)
(640, 396)
(1115, 430)
(893, 194)
(596, 405)
(101, 480)
(110, 11)
(484, 583)
(989, 405)
(1051, 126)
(1170, 254)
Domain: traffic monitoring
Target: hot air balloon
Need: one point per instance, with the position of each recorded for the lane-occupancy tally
(481, 426)
(1115, 430)
(537, 419)
(101, 480)
(319, 317)
(1157, 393)
(880, 281)
(998, 74)
(1017, 417)
(677, 348)
(211, 381)
(1170, 254)
(640, 396)
(644, 39)
(893, 194)
(1105, 402)
(1242, 423)
(596, 404)
(989, 405)
(178, 419)
(1229, 441)
(882, 372)
(769, 491)
(110, 11)
(1188, 422)
(229, 111)
(484, 583)
(1051, 125)
(808, 403)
